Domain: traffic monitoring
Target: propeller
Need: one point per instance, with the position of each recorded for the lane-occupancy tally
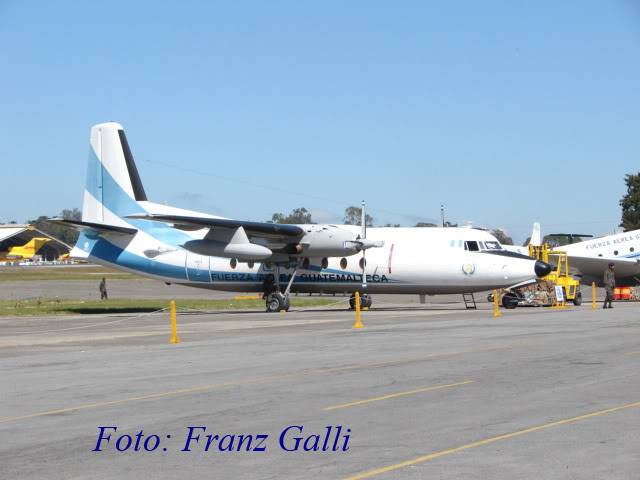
(363, 237)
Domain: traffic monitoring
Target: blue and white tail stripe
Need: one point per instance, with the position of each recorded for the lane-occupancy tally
(111, 171)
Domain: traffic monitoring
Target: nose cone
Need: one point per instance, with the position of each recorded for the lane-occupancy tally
(542, 269)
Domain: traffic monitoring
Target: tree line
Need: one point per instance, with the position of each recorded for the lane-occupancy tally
(352, 216)
(630, 203)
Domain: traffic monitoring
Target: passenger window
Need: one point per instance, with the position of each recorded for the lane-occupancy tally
(471, 245)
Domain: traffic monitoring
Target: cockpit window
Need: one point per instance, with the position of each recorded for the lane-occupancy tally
(492, 246)
(471, 245)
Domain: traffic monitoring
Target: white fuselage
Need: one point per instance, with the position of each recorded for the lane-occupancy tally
(620, 245)
(120, 227)
(412, 260)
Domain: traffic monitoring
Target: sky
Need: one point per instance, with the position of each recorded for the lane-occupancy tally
(504, 112)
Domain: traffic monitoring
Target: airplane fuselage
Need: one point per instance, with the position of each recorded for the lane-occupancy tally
(121, 228)
(621, 245)
(413, 260)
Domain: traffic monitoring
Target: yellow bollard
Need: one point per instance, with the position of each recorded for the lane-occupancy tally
(174, 325)
(358, 323)
(496, 305)
(593, 296)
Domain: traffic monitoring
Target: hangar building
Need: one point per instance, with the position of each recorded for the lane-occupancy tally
(25, 242)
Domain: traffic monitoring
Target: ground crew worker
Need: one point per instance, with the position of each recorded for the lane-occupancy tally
(103, 289)
(609, 285)
(269, 285)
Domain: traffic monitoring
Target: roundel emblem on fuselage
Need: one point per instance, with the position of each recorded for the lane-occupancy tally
(468, 268)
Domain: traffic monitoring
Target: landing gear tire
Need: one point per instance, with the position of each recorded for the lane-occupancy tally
(577, 300)
(510, 301)
(277, 302)
(368, 301)
(365, 301)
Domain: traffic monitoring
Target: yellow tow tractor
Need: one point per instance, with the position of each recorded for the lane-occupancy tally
(560, 276)
(543, 292)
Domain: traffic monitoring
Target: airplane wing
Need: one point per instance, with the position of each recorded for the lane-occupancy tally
(595, 266)
(260, 229)
(96, 227)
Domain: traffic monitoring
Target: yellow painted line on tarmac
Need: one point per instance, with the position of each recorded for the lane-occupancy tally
(398, 394)
(151, 396)
(247, 381)
(392, 363)
(487, 441)
(247, 297)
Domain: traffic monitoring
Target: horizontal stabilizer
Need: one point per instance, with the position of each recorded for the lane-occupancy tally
(259, 228)
(97, 227)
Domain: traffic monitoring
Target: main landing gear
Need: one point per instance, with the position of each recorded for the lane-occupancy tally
(365, 301)
(277, 301)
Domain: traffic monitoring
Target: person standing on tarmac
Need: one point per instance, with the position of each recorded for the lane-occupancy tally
(103, 289)
(268, 285)
(609, 285)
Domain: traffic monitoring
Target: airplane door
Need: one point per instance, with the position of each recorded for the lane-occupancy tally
(197, 267)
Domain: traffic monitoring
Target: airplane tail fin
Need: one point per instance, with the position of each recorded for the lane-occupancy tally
(536, 236)
(113, 187)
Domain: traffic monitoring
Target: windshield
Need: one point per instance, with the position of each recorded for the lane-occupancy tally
(492, 246)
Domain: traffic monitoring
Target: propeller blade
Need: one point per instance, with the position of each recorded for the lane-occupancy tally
(363, 235)
(364, 266)
(363, 221)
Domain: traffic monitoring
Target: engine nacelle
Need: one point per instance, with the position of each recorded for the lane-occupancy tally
(329, 241)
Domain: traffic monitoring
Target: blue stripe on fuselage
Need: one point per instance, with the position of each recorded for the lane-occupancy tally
(104, 250)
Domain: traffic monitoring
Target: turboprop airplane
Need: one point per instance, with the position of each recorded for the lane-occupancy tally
(120, 228)
(589, 259)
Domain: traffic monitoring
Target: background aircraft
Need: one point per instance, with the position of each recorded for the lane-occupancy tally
(589, 259)
(122, 229)
(27, 251)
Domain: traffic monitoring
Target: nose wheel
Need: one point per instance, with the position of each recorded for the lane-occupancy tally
(365, 301)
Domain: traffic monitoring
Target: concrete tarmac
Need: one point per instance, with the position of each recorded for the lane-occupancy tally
(434, 392)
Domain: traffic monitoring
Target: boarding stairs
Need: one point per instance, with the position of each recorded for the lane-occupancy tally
(469, 301)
